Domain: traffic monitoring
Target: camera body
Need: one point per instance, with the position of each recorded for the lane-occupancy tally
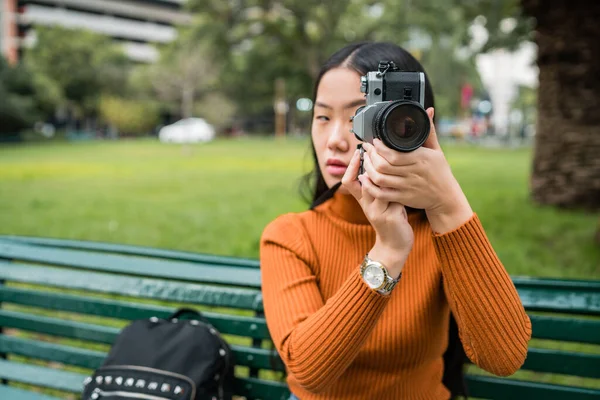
(395, 110)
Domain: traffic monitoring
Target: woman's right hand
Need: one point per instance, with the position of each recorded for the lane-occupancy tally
(394, 235)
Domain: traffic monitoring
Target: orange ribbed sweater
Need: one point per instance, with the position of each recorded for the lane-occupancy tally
(341, 340)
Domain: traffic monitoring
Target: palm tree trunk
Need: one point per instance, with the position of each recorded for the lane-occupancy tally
(566, 164)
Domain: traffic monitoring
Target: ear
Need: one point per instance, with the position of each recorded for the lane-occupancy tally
(432, 140)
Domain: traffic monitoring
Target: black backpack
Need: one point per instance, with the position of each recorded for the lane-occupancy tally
(170, 359)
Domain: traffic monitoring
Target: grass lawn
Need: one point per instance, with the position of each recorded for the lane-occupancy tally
(217, 198)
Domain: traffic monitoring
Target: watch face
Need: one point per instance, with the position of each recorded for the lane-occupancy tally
(374, 276)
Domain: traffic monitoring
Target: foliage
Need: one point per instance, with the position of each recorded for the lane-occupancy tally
(18, 107)
(258, 41)
(217, 109)
(79, 64)
(506, 24)
(447, 75)
(236, 50)
(130, 117)
(184, 74)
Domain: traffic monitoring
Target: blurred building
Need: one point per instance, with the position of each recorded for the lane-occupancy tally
(137, 24)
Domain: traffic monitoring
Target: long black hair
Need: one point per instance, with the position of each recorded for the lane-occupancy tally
(363, 57)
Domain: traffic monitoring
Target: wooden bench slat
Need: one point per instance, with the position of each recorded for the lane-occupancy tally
(58, 327)
(13, 393)
(41, 376)
(46, 351)
(563, 362)
(250, 299)
(229, 324)
(500, 388)
(555, 283)
(73, 382)
(245, 356)
(561, 296)
(134, 250)
(566, 329)
(132, 265)
(253, 388)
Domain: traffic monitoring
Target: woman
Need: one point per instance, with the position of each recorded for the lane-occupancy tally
(339, 337)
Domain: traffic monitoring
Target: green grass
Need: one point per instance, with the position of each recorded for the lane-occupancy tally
(217, 198)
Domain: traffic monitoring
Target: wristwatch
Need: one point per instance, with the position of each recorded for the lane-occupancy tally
(377, 277)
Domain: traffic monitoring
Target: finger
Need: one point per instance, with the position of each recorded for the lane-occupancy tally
(372, 206)
(393, 157)
(378, 178)
(432, 140)
(349, 180)
(380, 163)
(366, 198)
(376, 192)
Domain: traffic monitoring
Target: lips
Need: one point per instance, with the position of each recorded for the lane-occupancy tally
(336, 167)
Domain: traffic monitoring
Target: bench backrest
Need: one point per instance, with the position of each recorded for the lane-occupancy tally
(64, 302)
(86, 292)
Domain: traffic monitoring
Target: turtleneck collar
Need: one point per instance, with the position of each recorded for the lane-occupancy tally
(346, 207)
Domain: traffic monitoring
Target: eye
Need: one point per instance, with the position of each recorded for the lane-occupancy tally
(322, 118)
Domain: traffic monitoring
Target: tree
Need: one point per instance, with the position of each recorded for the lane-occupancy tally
(257, 42)
(129, 117)
(81, 64)
(566, 164)
(18, 108)
(184, 74)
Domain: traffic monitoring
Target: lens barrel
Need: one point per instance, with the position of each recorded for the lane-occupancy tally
(402, 125)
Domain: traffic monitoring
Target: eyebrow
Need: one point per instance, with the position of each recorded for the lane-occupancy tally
(352, 104)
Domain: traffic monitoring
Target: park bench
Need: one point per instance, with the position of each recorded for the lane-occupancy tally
(63, 303)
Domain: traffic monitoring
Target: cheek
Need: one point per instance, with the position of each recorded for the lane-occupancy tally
(319, 139)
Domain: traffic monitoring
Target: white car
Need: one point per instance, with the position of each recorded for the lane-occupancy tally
(187, 130)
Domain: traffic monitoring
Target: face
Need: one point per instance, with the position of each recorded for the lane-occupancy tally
(338, 97)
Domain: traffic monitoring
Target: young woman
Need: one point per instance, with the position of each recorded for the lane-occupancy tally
(339, 334)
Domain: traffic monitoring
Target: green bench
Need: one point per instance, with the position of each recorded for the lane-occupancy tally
(63, 303)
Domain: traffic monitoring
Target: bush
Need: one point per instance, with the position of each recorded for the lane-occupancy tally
(129, 117)
(18, 108)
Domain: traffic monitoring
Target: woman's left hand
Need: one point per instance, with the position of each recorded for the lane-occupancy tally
(418, 179)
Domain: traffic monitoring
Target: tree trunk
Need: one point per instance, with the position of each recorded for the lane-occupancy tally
(187, 102)
(566, 164)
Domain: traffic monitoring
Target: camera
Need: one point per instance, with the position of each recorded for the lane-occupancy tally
(395, 111)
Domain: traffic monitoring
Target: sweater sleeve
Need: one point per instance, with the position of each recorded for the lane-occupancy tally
(316, 339)
(492, 323)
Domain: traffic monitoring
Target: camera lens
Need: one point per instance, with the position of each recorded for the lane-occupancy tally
(402, 125)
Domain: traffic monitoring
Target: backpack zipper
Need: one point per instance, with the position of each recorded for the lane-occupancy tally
(221, 390)
(226, 369)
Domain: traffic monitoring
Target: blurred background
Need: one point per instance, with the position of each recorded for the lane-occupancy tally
(185, 124)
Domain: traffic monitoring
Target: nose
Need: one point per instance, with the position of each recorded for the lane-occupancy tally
(338, 138)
